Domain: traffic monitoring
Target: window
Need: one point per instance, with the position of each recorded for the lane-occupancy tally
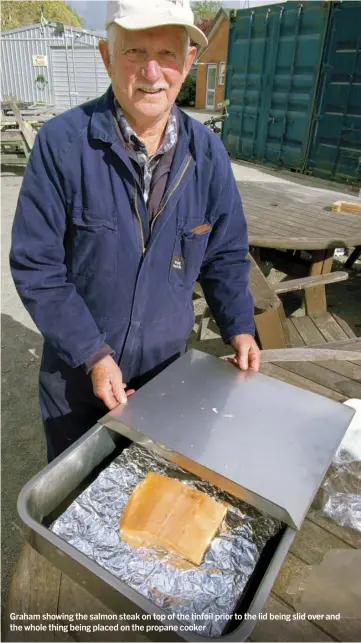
(222, 73)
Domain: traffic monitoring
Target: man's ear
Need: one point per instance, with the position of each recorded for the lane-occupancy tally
(192, 51)
(104, 52)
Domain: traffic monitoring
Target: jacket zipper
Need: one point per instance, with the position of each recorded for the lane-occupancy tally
(160, 211)
(139, 217)
(169, 195)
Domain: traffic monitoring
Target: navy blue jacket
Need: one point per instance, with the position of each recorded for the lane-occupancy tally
(90, 269)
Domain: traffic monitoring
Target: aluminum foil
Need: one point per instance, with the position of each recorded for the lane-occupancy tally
(205, 595)
(342, 489)
(340, 494)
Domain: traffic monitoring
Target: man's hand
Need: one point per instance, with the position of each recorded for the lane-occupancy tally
(247, 353)
(107, 382)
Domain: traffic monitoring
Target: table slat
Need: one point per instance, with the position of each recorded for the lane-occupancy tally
(34, 590)
(282, 373)
(312, 220)
(330, 328)
(293, 570)
(308, 330)
(282, 630)
(318, 374)
(286, 216)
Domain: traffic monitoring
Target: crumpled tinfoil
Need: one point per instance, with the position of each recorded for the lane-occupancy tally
(91, 525)
(342, 489)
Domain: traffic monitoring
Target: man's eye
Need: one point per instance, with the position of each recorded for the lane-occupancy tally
(169, 54)
(135, 54)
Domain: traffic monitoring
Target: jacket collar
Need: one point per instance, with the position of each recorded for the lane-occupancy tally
(102, 126)
(102, 121)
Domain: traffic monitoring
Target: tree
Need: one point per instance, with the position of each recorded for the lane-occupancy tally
(205, 11)
(16, 13)
(204, 25)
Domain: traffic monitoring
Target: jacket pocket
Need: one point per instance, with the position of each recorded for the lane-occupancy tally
(92, 243)
(188, 253)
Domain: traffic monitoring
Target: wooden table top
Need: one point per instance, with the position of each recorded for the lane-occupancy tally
(296, 217)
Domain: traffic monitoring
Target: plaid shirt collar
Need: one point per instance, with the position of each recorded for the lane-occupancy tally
(130, 137)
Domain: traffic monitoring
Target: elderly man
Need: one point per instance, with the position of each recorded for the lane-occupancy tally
(126, 201)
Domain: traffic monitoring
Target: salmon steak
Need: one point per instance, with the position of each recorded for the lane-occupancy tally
(167, 514)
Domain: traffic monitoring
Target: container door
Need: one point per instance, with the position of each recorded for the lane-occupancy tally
(211, 86)
(78, 75)
(92, 79)
(63, 82)
(274, 58)
(335, 144)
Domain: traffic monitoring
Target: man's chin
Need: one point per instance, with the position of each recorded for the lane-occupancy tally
(149, 109)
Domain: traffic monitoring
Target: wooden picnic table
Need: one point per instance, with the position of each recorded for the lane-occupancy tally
(16, 144)
(33, 119)
(287, 216)
(43, 111)
(39, 587)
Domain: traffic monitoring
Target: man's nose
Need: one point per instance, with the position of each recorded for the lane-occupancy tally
(151, 71)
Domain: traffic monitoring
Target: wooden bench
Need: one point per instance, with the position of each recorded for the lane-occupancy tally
(14, 149)
(16, 144)
(273, 329)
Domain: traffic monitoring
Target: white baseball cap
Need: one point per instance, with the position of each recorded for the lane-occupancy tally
(145, 14)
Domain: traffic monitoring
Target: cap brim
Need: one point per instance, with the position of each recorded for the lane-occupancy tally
(149, 22)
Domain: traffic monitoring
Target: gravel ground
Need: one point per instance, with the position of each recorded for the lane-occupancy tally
(23, 448)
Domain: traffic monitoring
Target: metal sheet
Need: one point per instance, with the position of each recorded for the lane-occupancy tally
(274, 57)
(260, 439)
(335, 151)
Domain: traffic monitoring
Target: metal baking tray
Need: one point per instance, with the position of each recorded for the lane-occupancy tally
(48, 494)
(266, 441)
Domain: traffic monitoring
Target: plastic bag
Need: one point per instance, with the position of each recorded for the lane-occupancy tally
(340, 497)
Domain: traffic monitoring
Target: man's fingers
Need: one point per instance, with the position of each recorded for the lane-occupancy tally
(242, 356)
(247, 353)
(254, 360)
(106, 395)
(107, 382)
(118, 389)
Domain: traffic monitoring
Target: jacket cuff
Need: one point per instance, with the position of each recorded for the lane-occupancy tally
(230, 332)
(104, 351)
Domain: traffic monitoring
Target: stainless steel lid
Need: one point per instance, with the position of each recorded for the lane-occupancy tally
(256, 437)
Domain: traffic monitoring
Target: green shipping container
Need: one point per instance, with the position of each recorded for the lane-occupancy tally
(294, 98)
(335, 141)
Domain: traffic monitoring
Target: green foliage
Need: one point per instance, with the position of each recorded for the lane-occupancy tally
(187, 94)
(205, 10)
(18, 13)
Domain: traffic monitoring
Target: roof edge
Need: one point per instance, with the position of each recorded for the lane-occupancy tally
(219, 17)
(37, 25)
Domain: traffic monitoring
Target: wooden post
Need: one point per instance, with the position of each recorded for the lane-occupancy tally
(27, 131)
(353, 257)
(315, 298)
(271, 329)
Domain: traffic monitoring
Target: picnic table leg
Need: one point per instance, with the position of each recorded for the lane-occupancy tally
(315, 298)
(271, 329)
(353, 257)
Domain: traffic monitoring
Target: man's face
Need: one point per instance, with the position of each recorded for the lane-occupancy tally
(147, 69)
